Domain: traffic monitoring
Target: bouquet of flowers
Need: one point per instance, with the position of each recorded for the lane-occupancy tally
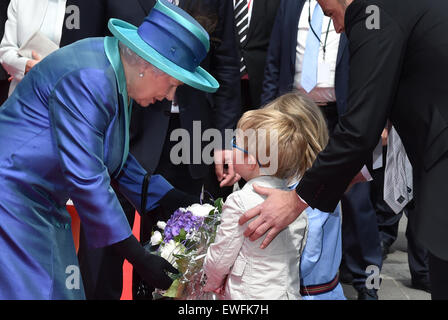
(183, 241)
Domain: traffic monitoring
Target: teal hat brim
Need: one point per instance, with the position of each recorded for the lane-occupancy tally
(127, 34)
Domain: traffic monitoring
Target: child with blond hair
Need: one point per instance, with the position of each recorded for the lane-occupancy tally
(273, 147)
(321, 257)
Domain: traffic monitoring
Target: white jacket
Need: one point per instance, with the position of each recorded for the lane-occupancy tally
(25, 18)
(253, 273)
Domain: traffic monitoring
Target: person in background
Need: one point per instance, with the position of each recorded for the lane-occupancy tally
(253, 25)
(61, 21)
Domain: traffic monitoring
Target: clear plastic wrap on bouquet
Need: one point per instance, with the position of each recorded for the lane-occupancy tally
(187, 236)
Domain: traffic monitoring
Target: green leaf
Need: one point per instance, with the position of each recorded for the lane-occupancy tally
(218, 204)
(181, 236)
(172, 291)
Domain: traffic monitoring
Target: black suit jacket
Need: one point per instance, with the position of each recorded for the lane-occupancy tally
(220, 110)
(93, 21)
(281, 59)
(398, 71)
(257, 44)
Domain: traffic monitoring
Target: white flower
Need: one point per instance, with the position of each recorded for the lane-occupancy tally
(194, 236)
(170, 249)
(200, 210)
(161, 225)
(156, 238)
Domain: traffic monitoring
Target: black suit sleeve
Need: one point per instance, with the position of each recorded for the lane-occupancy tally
(272, 68)
(225, 68)
(375, 67)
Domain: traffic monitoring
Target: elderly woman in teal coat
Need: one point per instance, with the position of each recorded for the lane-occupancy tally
(64, 134)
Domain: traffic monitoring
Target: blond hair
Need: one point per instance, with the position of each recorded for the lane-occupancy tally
(299, 126)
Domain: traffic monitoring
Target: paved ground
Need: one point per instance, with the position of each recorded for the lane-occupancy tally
(395, 274)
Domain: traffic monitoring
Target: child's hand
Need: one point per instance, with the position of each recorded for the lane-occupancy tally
(212, 288)
(208, 288)
(219, 291)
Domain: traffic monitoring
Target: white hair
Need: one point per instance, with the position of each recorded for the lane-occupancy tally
(134, 60)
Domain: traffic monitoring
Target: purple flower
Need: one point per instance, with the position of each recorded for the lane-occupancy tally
(181, 219)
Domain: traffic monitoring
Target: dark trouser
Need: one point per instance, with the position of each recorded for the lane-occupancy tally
(388, 223)
(418, 256)
(360, 238)
(438, 274)
(387, 219)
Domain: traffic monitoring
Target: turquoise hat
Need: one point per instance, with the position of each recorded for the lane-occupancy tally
(171, 40)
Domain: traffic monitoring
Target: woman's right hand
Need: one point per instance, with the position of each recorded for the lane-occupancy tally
(32, 62)
(150, 267)
(153, 271)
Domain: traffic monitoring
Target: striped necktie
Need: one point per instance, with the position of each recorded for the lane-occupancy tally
(242, 26)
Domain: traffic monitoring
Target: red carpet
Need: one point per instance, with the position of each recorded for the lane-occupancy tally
(127, 267)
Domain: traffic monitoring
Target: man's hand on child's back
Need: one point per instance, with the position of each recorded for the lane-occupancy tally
(278, 211)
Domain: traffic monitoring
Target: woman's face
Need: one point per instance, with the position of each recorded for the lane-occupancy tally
(151, 87)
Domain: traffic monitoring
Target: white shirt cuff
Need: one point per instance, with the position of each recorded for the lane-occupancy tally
(365, 172)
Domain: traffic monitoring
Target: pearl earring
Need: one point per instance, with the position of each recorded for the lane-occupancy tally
(141, 75)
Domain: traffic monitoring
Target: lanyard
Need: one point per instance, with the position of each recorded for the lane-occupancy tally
(324, 48)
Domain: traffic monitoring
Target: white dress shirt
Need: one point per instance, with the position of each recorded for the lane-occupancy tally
(324, 91)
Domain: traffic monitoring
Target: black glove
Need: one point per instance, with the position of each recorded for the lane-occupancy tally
(149, 266)
(175, 199)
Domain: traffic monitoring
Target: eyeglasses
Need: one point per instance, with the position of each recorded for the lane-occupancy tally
(241, 149)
